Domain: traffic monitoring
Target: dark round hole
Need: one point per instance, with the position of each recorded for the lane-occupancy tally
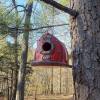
(46, 46)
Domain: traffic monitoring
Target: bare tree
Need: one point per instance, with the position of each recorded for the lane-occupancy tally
(16, 54)
(22, 69)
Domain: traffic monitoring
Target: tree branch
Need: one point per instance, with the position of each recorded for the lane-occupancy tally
(15, 7)
(61, 7)
(14, 3)
(38, 28)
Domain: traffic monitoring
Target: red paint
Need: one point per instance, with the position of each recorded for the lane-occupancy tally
(57, 55)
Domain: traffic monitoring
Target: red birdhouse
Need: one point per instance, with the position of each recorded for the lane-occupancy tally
(50, 52)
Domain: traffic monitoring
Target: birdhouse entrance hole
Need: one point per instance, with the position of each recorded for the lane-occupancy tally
(46, 46)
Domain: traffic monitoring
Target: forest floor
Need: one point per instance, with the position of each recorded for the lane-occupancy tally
(50, 97)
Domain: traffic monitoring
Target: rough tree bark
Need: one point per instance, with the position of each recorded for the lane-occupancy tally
(85, 32)
(22, 69)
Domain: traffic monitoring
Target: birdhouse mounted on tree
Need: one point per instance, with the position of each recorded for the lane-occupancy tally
(50, 52)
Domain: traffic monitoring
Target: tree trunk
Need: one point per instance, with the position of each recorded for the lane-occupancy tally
(52, 81)
(15, 80)
(14, 85)
(22, 69)
(60, 80)
(85, 32)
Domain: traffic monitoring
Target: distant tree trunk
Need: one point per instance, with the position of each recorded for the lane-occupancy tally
(15, 80)
(52, 80)
(60, 81)
(85, 32)
(22, 69)
(11, 87)
(14, 85)
(7, 83)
